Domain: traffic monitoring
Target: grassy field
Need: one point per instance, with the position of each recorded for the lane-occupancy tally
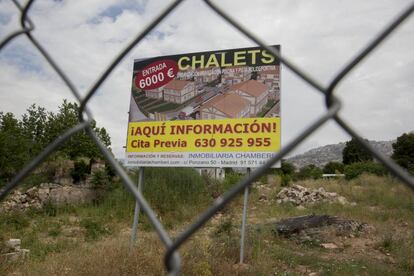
(94, 239)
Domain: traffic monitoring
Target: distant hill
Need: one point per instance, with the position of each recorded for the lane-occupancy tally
(322, 155)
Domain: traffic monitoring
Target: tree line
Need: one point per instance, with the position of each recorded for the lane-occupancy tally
(356, 160)
(23, 139)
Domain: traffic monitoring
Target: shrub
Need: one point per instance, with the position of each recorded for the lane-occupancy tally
(49, 209)
(285, 168)
(285, 180)
(101, 179)
(94, 229)
(109, 170)
(310, 171)
(15, 221)
(35, 179)
(333, 167)
(230, 180)
(80, 170)
(54, 230)
(354, 152)
(169, 188)
(225, 227)
(356, 169)
(55, 163)
(404, 151)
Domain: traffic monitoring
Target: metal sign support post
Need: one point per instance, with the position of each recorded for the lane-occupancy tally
(244, 220)
(137, 207)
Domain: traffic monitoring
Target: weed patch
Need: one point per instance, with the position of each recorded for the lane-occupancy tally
(14, 221)
(94, 229)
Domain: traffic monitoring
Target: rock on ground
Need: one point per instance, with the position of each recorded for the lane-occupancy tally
(12, 251)
(299, 195)
(36, 197)
(320, 229)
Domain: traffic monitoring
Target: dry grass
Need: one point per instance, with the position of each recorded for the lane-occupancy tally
(112, 256)
(383, 203)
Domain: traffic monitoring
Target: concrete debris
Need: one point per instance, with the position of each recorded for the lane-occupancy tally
(265, 192)
(329, 245)
(322, 230)
(299, 195)
(37, 197)
(13, 244)
(13, 252)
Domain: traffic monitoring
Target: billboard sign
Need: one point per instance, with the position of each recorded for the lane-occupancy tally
(206, 109)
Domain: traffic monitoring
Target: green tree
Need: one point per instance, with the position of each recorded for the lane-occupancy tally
(310, 171)
(22, 140)
(286, 168)
(333, 167)
(285, 180)
(34, 128)
(356, 169)
(354, 152)
(63, 120)
(286, 172)
(404, 151)
(14, 147)
(80, 144)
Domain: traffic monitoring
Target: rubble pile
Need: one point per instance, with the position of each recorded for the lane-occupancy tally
(36, 197)
(265, 192)
(19, 201)
(299, 195)
(11, 251)
(324, 230)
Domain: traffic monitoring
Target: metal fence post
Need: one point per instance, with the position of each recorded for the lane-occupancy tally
(137, 207)
(244, 220)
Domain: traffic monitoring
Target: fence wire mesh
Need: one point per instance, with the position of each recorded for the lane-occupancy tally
(172, 260)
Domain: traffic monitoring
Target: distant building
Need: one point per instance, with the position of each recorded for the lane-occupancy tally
(234, 75)
(179, 91)
(225, 106)
(206, 75)
(186, 74)
(253, 91)
(271, 78)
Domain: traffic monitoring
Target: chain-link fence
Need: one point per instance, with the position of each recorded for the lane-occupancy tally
(333, 105)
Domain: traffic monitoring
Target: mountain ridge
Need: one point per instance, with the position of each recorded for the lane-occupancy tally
(333, 152)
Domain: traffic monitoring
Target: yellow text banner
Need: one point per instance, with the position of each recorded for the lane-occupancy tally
(227, 135)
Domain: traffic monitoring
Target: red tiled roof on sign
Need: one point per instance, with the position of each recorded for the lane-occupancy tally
(230, 104)
(176, 84)
(251, 87)
(271, 71)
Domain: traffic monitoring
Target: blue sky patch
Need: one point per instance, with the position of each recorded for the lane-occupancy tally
(20, 56)
(114, 11)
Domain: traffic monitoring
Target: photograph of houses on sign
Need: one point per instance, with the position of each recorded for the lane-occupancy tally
(235, 83)
(207, 109)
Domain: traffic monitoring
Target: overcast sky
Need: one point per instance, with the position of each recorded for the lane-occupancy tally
(319, 36)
